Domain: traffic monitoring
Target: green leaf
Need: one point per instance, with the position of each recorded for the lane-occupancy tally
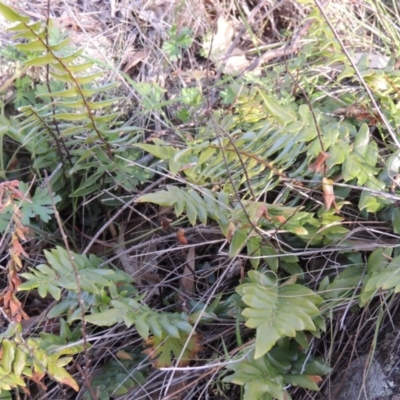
(71, 116)
(238, 241)
(8, 350)
(190, 209)
(168, 326)
(396, 220)
(19, 361)
(303, 381)
(345, 283)
(36, 45)
(254, 250)
(154, 324)
(162, 198)
(142, 326)
(259, 378)
(165, 346)
(61, 45)
(350, 168)
(200, 205)
(276, 311)
(80, 67)
(370, 201)
(62, 376)
(108, 317)
(162, 152)
(41, 204)
(11, 15)
(39, 61)
(282, 114)
(360, 146)
(271, 258)
(82, 81)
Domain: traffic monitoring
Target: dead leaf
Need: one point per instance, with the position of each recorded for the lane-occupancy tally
(291, 281)
(15, 258)
(166, 223)
(135, 58)
(233, 61)
(13, 307)
(140, 268)
(181, 236)
(281, 219)
(17, 247)
(37, 378)
(319, 165)
(314, 378)
(360, 113)
(329, 195)
(187, 281)
(14, 281)
(123, 355)
(231, 230)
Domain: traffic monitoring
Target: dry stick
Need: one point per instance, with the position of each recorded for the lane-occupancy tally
(362, 81)
(85, 375)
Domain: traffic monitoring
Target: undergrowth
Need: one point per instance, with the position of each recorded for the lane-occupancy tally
(217, 246)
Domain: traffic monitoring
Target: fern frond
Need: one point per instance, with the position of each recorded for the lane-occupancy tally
(276, 311)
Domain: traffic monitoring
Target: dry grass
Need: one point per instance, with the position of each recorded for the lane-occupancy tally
(128, 38)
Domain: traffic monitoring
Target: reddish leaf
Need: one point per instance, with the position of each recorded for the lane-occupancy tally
(37, 378)
(62, 376)
(315, 378)
(17, 314)
(281, 219)
(14, 280)
(181, 236)
(16, 246)
(257, 210)
(319, 165)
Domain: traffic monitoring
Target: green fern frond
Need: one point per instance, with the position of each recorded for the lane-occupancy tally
(267, 377)
(276, 311)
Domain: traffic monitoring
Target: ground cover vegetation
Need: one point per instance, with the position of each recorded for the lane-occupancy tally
(215, 216)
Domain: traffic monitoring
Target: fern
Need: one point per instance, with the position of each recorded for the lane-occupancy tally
(60, 274)
(383, 273)
(276, 311)
(23, 360)
(105, 303)
(72, 104)
(204, 206)
(267, 377)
